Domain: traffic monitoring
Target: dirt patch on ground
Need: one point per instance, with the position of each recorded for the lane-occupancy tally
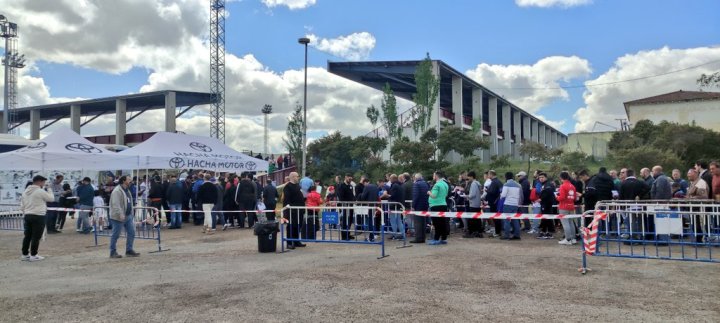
(223, 278)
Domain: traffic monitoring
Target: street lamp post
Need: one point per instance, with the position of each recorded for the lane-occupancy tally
(266, 110)
(304, 41)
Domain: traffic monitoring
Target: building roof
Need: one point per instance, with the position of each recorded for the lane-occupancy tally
(678, 96)
(139, 102)
(400, 75)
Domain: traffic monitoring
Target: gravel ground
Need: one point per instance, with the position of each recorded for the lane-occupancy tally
(223, 278)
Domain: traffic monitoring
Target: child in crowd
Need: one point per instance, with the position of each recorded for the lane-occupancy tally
(99, 211)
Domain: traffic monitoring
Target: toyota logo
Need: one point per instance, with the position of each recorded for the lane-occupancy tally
(36, 146)
(251, 165)
(200, 147)
(83, 148)
(177, 162)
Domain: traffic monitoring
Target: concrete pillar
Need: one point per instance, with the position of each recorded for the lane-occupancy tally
(518, 133)
(541, 133)
(535, 130)
(555, 142)
(34, 124)
(548, 134)
(492, 111)
(477, 116)
(120, 121)
(457, 100)
(3, 126)
(170, 111)
(526, 130)
(507, 146)
(75, 118)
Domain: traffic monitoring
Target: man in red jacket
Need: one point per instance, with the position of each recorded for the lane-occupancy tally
(566, 205)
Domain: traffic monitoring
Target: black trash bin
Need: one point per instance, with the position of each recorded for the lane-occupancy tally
(267, 236)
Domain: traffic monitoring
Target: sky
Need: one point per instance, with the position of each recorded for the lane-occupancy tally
(566, 61)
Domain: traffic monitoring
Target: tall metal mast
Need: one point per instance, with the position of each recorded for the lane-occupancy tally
(217, 68)
(12, 62)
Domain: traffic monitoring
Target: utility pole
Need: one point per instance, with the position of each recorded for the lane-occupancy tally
(266, 110)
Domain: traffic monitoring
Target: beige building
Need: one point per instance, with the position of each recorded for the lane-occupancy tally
(594, 144)
(683, 107)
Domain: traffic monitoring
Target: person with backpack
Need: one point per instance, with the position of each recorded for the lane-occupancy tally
(437, 201)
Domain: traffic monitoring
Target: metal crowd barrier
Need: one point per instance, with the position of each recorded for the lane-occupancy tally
(147, 225)
(687, 230)
(11, 218)
(343, 223)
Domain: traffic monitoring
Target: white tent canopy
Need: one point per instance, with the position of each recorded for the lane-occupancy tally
(165, 150)
(65, 150)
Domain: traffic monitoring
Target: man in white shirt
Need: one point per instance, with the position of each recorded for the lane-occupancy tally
(513, 195)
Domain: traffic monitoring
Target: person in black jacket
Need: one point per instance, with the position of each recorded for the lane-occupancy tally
(270, 196)
(589, 195)
(492, 198)
(701, 167)
(525, 185)
(346, 196)
(229, 203)
(207, 197)
(370, 194)
(293, 196)
(632, 189)
(604, 185)
(547, 201)
(245, 199)
(174, 195)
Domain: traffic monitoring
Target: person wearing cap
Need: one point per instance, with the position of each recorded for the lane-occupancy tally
(33, 205)
(85, 194)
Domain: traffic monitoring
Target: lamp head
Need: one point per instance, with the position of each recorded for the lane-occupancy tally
(304, 40)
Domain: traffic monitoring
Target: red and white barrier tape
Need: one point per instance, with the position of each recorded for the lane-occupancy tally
(492, 216)
(590, 233)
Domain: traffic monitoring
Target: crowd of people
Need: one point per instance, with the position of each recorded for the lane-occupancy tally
(226, 200)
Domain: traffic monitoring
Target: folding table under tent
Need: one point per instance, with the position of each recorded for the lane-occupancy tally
(166, 150)
(64, 149)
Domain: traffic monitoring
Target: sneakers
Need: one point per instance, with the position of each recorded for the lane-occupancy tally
(443, 241)
(541, 236)
(115, 255)
(25, 258)
(131, 253)
(494, 235)
(573, 241)
(531, 231)
(36, 258)
(549, 236)
(434, 242)
(225, 226)
(565, 242)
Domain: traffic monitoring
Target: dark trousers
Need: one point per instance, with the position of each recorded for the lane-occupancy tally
(547, 226)
(34, 227)
(51, 216)
(372, 224)
(61, 219)
(270, 212)
(294, 218)
(346, 221)
(475, 225)
(419, 223)
(440, 224)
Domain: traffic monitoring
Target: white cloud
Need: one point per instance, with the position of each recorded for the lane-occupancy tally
(168, 39)
(532, 87)
(552, 3)
(291, 4)
(356, 46)
(605, 103)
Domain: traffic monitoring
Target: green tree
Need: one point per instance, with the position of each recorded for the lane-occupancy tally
(709, 80)
(373, 114)
(575, 161)
(645, 156)
(644, 130)
(499, 161)
(427, 91)
(415, 156)
(389, 117)
(460, 141)
(534, 151)
(293, 139)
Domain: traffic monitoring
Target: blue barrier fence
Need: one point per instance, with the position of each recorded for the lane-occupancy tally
(686, 230)
(146, 221)
(347, 223)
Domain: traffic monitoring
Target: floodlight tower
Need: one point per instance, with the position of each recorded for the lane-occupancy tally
(217, 68)
(266, 110)
(12, 61)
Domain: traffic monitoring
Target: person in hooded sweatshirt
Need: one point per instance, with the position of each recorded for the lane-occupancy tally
(33, 205)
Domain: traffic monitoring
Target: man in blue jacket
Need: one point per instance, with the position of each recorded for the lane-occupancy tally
(419, 203)
(85, 193)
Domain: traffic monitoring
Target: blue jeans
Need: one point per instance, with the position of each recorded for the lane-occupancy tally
(217, 217)
(508, 223)
(129, 225)
(83, 221)
(175, 217)
(535, 224)
(396, 222)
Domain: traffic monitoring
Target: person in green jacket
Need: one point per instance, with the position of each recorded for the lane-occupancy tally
(436, 199)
